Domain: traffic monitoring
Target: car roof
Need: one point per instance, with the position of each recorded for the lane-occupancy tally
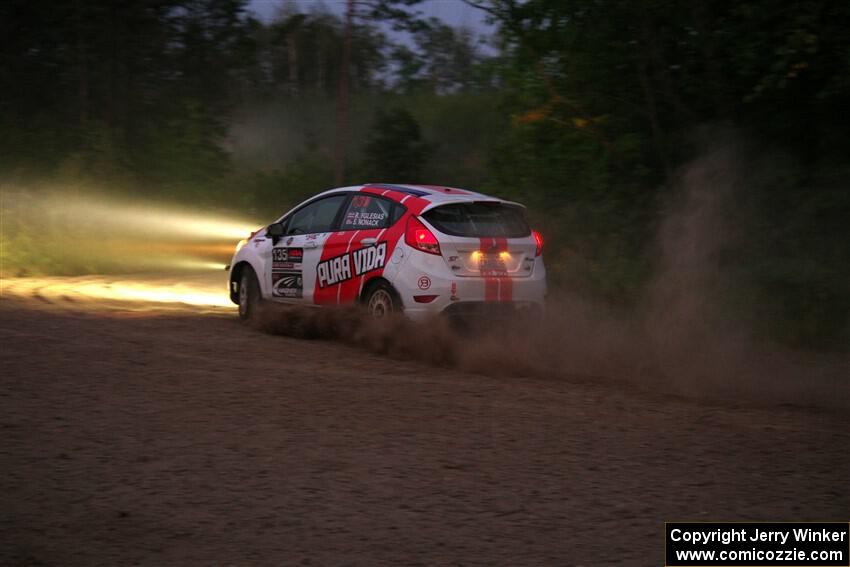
(435, 195)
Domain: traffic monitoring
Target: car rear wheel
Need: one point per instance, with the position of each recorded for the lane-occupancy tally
(381, 300)
(249, 295)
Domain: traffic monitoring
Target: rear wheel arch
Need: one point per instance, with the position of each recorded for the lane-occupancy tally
(380, 283)
(370, 283)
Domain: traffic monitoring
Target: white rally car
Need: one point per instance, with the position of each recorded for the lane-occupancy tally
(420, 249)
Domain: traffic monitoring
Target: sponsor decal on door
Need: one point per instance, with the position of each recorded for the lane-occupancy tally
(287, 284)
(287, 278)
(351, 264)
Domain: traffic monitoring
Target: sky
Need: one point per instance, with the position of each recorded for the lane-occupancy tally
(454, 12)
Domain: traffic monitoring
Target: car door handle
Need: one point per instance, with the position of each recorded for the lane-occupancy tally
(368, 241)
(310, 244)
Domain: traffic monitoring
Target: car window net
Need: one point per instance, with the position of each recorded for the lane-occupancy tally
(365, 212)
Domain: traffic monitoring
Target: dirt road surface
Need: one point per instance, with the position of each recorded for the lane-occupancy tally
(165, 436)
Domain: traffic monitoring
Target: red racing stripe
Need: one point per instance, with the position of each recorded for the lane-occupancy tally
(445, 190)
(506, 285)
(344, 290)
(498, 285)
(377, 191)
(413, 203)
(334, 246)
(491, 283)
(362, 279)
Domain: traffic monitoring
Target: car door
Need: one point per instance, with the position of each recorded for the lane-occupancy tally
(357, 250)
(293, 257)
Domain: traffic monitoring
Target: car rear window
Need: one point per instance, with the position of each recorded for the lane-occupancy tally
(479, 219)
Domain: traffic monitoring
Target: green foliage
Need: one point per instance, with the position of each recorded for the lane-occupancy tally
(395, 150)
(460, 130)
(609, 101)
(182, 155)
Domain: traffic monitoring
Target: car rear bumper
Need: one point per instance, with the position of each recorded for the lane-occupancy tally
(426, 277)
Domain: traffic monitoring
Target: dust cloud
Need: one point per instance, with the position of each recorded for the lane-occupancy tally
(699, 334)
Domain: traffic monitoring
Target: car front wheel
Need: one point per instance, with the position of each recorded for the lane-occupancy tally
(249, 295)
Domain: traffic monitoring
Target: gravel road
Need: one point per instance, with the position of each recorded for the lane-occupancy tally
(180, 437)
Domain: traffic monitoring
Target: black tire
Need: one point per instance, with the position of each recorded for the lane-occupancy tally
(381, 300)
(248, 296)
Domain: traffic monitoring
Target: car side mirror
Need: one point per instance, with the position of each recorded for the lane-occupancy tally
(275, 230)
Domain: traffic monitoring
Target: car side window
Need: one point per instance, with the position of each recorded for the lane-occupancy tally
(367, 211)
(318, 216)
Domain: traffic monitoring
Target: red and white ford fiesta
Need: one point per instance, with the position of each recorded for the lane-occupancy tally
(417, 249)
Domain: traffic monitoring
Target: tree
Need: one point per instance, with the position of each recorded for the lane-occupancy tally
(395, 151)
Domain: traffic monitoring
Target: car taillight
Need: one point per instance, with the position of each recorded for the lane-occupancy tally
(538, 240)
(418, 236)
